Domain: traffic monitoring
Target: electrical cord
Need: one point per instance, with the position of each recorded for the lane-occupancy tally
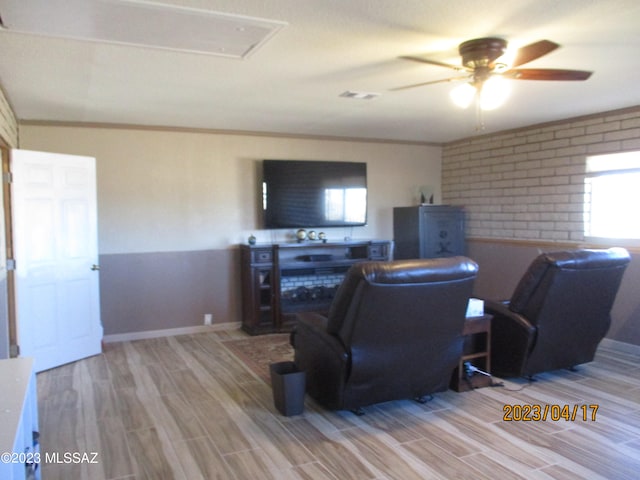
(517, 389)
(470, 370)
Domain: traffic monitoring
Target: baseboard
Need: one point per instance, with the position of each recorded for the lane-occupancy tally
(169, 332)
(620, 346)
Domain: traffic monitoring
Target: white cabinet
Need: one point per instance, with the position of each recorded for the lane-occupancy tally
(19, 420)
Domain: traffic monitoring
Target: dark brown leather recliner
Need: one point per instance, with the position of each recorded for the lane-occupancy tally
(558, 313)
(393, 331)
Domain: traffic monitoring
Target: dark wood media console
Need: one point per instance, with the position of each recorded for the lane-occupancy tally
(280, 280)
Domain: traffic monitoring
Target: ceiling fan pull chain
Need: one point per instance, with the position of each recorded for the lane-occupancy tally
(478, 106)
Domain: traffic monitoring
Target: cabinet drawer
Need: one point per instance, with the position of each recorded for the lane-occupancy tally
(377, 252)
(262, 256)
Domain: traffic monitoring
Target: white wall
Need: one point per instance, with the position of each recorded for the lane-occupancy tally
(173, 205)
(178, 191)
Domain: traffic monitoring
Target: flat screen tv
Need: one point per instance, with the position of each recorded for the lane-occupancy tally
(297, 193)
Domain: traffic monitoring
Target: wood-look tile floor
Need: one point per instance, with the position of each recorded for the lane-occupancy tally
(185, 408)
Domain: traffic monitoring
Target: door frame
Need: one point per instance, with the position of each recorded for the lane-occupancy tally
(5, 151)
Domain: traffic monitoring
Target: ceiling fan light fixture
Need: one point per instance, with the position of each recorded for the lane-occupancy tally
(463, 95)
(491, 94)
(494, 93)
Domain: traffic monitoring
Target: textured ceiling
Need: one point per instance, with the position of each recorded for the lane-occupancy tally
(293, 82)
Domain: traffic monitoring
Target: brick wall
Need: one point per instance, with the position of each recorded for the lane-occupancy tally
(528, 184)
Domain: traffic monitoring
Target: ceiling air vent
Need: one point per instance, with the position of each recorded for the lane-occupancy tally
(359, 95)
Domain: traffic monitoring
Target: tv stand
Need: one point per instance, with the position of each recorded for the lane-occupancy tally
(282, 279)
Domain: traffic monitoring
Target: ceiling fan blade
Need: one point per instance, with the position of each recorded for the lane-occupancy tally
(432, 62)
(530, 52)
(433, 82)
(546, 74)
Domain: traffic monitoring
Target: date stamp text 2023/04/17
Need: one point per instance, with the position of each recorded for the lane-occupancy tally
(549, 412)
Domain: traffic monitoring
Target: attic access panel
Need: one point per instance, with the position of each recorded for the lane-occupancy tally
(140, 23)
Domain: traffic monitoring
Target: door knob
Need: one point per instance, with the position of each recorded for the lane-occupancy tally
(95, 267)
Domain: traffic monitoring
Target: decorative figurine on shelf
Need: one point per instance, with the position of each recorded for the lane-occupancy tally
(301, 235)
(323, 236)
(423, 199)
(252, 240)
(312, 235)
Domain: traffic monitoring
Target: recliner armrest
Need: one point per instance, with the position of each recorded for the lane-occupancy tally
(512, 338)
(322, 357)
(309, 320)
(314, 324)
(495, 308)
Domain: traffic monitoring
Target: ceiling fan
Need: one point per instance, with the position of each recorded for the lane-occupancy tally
(483, 60)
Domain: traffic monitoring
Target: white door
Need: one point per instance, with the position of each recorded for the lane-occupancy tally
(54, 212)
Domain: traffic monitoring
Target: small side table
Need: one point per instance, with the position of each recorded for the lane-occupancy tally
(477, 351)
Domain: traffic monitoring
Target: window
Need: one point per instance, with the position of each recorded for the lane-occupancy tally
(612, 196)
(348, 204)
